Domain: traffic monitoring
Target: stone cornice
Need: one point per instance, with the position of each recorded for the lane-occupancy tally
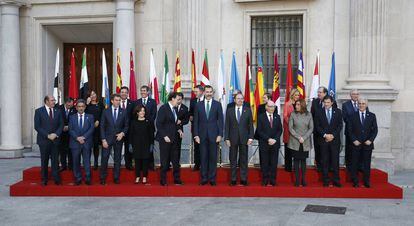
(13, 2)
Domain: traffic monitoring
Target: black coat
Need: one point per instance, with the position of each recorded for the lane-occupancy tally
(65, 118)
(166, 125)
(238, 132)
(184, 116)
(265, 132)
(365, 132)
(323, 127)
(151, 108)
(141, 137)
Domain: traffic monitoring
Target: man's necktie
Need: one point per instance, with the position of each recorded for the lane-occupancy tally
(50, 114)
(328, 115)
(362, 118)
(238, 115)
(144, 102)
(355, 106)
(175, 113)
(123, 104)
(271, 121)
(80, 121)
(208, 109)
(115, 115)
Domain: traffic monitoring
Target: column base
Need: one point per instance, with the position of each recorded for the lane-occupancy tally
(16, 153)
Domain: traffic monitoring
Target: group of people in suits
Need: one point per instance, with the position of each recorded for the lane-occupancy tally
(128, 129)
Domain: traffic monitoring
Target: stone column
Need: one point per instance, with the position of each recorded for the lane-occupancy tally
(367, 51)
(124, 37)
(10, 81)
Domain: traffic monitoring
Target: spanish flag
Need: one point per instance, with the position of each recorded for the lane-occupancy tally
(118, 72)
(177, 76)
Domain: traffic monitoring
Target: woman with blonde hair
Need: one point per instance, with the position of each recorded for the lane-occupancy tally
(293, 97)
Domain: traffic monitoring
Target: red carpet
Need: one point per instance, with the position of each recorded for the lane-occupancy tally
(380, 188)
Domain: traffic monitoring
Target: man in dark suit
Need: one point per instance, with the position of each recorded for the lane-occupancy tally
(81, 127)
(127, 106)
(348, 110)
(168, 135)
(238, 135)
(114, 127)
(269, 129)
(151, 113)
(199, 91)
(262, 108)
(317, 105)
(232, 104)
(328, 123)
(64, 152)
(183, 119)
(362, 130)
(48, 123)
(208, 132)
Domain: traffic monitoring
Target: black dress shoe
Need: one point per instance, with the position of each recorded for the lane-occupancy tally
(337, 184)
(196, 168)
(304, 184)
(77, 183)
(162, 183)
(202, 183)
(367, 185)
(178, 182)
(116, 181)
(63, 169)
(264, 183)
(233, 183)
(355, 185)
(58, 182)
(88, 182)
(129, 168)
(103, 182)
(273, 183)
(244, 183)
(43, 183)
(213, 183)
(325, 184)
(95, 167)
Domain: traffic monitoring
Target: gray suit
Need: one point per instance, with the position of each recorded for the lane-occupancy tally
(238, 132)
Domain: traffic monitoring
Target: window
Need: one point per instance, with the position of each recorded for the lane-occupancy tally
(270, 34)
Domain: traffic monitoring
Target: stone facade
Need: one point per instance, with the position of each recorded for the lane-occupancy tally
(373, 42)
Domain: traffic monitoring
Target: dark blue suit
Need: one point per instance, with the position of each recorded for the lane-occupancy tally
(348, 110)
(109, 130)
(208, 128)
(44, 125)
(362, 132)
(77, 148)
(129, 108)
(64, 153)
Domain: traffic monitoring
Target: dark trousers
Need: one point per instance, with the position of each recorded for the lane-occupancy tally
(241, 151)
(299, 173)
(95, 153)
(127, 155)
(169, 153)
(117, 147)
(317, 147)
(269, 159)
(208, 154)
(288, 158)
(49, 150)
(141, 165)
(86, 157)
(65, 155)
(196, 155)
(358, 155)
(348, 153)
(330, 158)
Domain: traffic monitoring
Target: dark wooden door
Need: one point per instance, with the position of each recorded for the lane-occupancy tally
(93, 64)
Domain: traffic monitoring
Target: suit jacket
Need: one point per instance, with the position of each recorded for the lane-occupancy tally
(362, 133)
(265, 131)
(86, 131)
(109, 128)
(129, 108)
(300, 125)
(323, 127)
(65, 135)
(151, 108)
(238, 132)
(166, 124)
(45, 126)
(208, 128)
(184, 116)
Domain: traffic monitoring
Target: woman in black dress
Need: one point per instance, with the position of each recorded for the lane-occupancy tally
(141, 137)
(95, 108)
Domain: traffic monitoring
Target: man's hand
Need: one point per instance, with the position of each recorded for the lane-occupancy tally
(368, 142)
(167, 139)
(65, 128)
(218, 139)
(191, 118)
(105, 144)
(357, 143)
(81, 139)
(96, 124)
(301, 140)
(88, 100)
(178, 122)
(181, 133)
(271, 141)
(197, 139)
(228, 143)
(119, 136)
(52, 136)
(249, 141)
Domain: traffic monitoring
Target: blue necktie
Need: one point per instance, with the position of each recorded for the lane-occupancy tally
(80, 122)
(175, 114)
(208, 109)
(328, 115)
(115, 115)
(238, 115)
(362, 118)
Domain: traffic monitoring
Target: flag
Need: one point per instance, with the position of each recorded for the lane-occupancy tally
(177, 77)
(83, 85)
(248, 90)
(105, 84)
(118, 72)
(153, 80)
(289, 79)
(165, 81)
(259, 90)
(193, 76)
(276, 84)
(221, 83)
(205, 78)
(132, 85)
(57, 94)
(315, 80)
(73, 83)
(234, 78)
(301, 86)
(332, 85)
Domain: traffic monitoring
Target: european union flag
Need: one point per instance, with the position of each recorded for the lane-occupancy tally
(332, 86)
(234, 78)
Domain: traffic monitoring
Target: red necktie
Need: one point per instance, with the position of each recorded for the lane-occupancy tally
(50, 114)
(271, 121)
(123, 104)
